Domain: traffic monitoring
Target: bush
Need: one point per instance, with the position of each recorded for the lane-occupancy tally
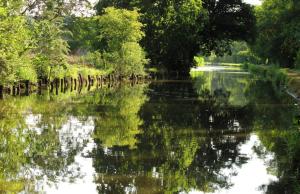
(199, 61)
(26, 72)
(271, 73)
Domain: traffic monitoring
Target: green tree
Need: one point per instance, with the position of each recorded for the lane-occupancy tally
(175, 31)
(51, 48)
(278, 26)
(15, 42)
(119, 34)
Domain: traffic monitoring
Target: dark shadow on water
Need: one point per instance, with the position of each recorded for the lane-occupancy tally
(162, 137)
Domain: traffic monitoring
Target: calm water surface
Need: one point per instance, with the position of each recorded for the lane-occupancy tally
(223, 131)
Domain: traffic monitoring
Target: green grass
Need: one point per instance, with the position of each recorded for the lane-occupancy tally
(271, 73)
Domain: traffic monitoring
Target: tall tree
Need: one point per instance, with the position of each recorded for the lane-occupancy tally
(118, 38)
(177, 30)
(14, 41)
(278, 27)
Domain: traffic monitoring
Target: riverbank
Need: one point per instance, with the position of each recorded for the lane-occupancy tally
(294, 82)
(288, 78)
(85, 77)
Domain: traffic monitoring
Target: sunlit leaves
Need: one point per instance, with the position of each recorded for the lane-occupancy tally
(119, 34)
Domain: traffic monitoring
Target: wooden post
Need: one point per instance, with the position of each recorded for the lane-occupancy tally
(14, 89)
(89, 80)
(1, 92)
(75, 84)
(62, 85)
(18, 88)
(27, 87)
(80, 80)
(71, 84)
(56, 85)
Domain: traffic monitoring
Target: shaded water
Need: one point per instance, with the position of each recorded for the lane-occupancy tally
(221, 132)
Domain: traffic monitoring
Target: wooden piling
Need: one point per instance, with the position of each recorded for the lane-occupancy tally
(14, 89)
(1, 92)
(75, 84)
(18, 88)
(56, 85)
(27, 87)
(61, 85)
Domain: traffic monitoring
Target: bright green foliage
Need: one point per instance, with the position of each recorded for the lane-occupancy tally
(119, 34)
(95, 59)
(51, 49)
(240, 52)
(120, 123)
(199, 61)
(14, 44)
(278, 31)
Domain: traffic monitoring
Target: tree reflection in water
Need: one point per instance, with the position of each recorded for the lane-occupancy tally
(166, 137)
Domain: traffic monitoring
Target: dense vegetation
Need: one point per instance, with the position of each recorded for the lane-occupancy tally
(36, 39)
(175, 31)
(277, 38)
(278, 27)
(48, 39)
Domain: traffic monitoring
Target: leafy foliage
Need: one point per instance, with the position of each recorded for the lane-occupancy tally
(278, 27)
(51, 49)
(14, 45)
(175, 31)
(119, 36)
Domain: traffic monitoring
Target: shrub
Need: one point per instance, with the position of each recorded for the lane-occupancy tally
(199, 61)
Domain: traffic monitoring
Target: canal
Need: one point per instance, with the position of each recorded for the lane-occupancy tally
(222, 131)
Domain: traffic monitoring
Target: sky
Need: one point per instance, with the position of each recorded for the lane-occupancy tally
(254, 2)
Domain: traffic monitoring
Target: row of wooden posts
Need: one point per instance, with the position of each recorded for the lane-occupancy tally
(64, 83)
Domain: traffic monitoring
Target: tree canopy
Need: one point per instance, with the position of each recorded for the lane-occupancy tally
(278, 27)
(175, 31)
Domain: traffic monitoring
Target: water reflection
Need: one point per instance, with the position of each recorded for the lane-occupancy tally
(220, 132)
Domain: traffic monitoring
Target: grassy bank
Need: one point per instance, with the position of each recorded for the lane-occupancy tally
(277, 76)
(283, 78)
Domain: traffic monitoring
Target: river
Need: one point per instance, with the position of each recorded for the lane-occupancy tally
(222, 131)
